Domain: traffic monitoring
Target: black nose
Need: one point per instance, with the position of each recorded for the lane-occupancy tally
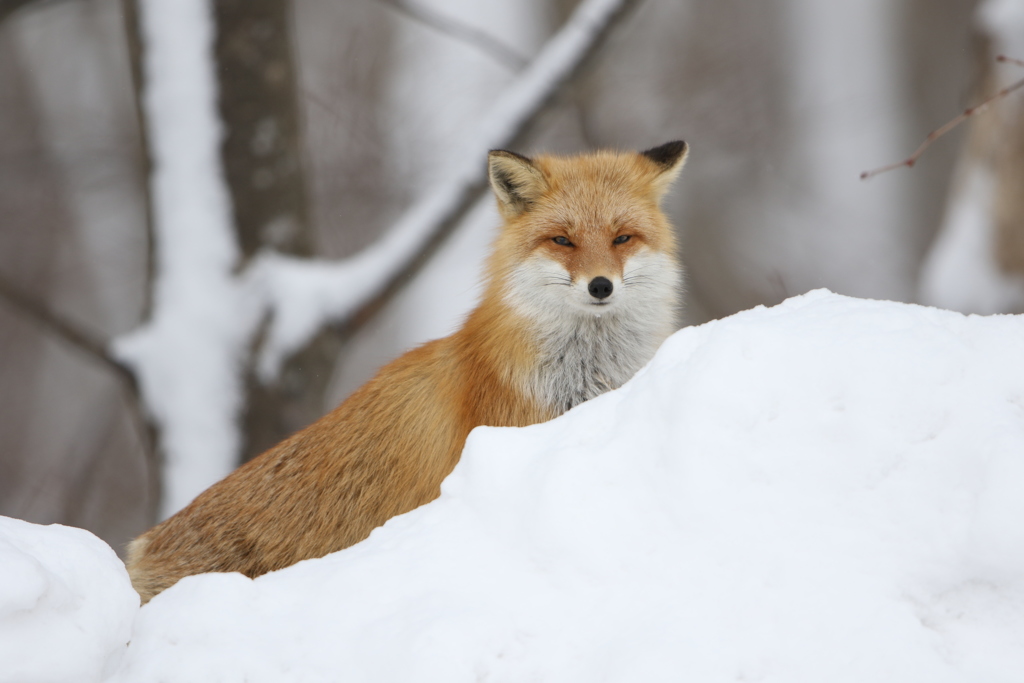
(600, 287)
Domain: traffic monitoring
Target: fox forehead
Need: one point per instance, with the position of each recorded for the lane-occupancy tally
(599, 192)
(594, 196)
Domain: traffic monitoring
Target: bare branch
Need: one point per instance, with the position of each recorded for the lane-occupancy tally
(58, 325)
(460, 30)
(9, 7)
(96, 349)
(133, 39)
(353, 290)
(149, 438)
(939, 132)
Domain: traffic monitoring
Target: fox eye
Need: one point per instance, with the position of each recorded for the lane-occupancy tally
(564, 241)
(621, 239)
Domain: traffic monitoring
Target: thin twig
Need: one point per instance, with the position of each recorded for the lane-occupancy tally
(460, 30)
(939, 132)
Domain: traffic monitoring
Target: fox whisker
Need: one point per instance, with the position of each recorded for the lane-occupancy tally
(636, 279)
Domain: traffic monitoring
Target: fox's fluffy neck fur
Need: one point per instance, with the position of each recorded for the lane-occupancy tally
(582, 357)
(580, 354)
(558, 362)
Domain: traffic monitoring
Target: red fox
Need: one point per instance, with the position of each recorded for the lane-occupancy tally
(581, 289)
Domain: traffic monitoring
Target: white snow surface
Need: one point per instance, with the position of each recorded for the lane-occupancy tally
(66, 605)
(830, 489)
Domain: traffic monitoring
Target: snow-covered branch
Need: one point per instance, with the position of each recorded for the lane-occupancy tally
(186, 357)
(302, 296)
(460, 30)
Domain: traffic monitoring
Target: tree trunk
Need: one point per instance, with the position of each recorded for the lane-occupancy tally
(263, 164)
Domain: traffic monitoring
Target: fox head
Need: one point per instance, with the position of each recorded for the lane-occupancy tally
(585, 235)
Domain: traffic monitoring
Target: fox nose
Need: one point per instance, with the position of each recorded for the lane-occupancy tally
(600, 287)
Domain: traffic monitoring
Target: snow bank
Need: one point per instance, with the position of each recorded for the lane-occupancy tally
(66, 605)
(826, 490)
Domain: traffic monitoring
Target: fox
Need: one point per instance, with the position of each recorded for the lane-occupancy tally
(580, 289)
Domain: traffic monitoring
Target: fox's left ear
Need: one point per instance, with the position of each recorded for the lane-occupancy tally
(668, 159)
(516, 182)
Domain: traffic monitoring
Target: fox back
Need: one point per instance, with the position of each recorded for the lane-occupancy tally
(581, 288)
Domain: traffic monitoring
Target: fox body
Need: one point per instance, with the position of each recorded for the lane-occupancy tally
(582, 287)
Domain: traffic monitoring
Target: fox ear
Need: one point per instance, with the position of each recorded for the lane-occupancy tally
(668, 159)
(517, 183)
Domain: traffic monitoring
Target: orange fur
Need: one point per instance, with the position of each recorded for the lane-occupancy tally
(386, 449)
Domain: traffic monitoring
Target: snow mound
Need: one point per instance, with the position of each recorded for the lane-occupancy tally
(828, 490)
(66, 604)
(831, 489)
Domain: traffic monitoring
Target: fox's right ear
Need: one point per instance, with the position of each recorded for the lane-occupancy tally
(668, 160)
(516, 182)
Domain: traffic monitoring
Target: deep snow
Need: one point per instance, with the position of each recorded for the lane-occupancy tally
(830, 489)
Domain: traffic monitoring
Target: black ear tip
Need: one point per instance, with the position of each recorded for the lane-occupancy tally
(506, 153)
(668, 154)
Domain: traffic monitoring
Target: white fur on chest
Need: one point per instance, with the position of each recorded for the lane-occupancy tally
(589, 356)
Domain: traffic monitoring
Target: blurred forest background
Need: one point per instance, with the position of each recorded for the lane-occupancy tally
(337, 116)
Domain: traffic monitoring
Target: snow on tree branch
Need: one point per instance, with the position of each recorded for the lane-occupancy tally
(188, 357)
(459, 30)
(303, 296)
